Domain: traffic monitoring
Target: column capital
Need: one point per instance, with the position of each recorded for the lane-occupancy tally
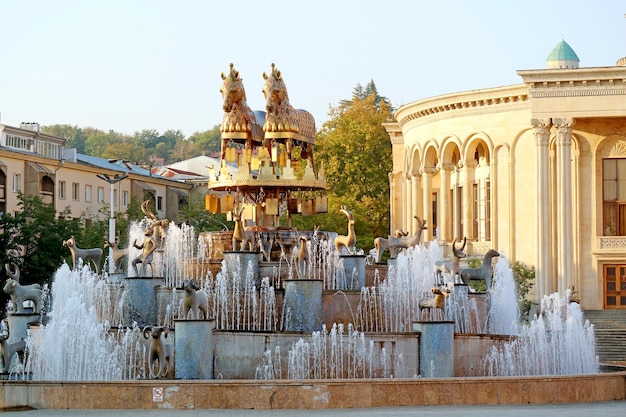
(470, 163)
(564, 131)
(416, 172)
(430, 169)
(541, 131)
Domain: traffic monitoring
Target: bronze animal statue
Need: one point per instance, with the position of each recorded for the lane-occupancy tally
(94, 255)
(438, 302)
(241, 233)
(239, 120)
(302, 257)
(195, 300)
(20, 293)
(119, 254)
(347, 241)
(159, 226)
(395, 244)
(147, 247)
(283, 118)
(161, 352)
(482, 273)
(453, 267)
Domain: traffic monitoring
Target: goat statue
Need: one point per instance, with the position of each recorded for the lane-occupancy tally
(482, 273)
(161, 351)
(94, 255)
(349, 241)
(453, 267)
(195, 300)
(9, 350)
(20, 293)
(395, 243)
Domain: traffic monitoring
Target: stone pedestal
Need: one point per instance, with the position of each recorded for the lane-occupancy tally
(392, 261)
(351, 273)
(436, 348)
(303, 305)
(116, 278)
(242, 265)
(140, 304)
(194, 349)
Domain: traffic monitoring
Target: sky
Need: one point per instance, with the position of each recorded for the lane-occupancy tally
(129, 65)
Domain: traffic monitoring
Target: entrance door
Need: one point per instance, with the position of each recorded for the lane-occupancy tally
(614, 286)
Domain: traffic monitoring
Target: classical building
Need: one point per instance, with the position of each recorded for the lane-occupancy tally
(35, 163)
(536, 171)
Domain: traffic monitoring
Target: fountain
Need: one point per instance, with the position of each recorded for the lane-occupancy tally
(286, 304)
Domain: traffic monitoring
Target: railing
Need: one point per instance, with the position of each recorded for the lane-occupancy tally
(612, 243)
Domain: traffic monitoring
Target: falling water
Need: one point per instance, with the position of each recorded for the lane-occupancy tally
(503, 315)
(78, 343)
(557, 342)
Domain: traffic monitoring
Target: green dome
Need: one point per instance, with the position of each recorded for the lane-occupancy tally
(562, 52)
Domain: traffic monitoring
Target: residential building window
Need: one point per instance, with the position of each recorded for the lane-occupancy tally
(75, 191)
(100, 195)
(18, 142)
(88, 193)
(17, 183)
(614, 197)
(62, 191)
(159, 203)
(115, 203)
(124, 198)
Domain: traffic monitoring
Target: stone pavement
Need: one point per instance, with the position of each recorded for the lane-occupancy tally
(604, 409)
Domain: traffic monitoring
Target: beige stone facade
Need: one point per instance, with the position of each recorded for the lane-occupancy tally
(536, 171)
(38, 164)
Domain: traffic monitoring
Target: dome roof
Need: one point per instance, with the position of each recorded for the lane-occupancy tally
(562, 56)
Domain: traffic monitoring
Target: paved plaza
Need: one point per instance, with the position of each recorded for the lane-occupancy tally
(604, 409)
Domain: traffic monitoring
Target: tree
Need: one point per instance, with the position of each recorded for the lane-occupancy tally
(209, 141)
(36, 234)
(356, 151)
(74, 134)
(97, 141)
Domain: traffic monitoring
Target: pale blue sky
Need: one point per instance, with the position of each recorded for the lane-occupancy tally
(129, 65)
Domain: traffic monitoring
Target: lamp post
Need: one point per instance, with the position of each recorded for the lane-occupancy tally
(112, 181)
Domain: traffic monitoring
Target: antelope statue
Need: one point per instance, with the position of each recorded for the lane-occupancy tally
(159, 227)
(453, 267)
(395, 243)
(241, 234)
(348, 242)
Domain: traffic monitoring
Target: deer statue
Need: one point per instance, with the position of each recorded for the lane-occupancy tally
(348, 242)
(453, 267)
(395, 243)
(21, 293)
(159, 227)
(118, 254)
(241, 233)
(94, 255)
(482, 273)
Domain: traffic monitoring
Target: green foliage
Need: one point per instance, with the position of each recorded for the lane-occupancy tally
(36, 232)
(356, 152)
(194, 214)
(207, 142)
(524, 276)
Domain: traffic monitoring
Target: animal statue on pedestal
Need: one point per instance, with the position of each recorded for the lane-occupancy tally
(94, 255)
(282, 117)
(436, 303)
(20, 293)
(160, 353)
(347, 241)
(482, 273)
(453, 267)
(119, 254)
(195, 300)
(241, 233)
(395, 244)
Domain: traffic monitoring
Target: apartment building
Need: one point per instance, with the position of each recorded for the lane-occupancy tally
(35, 163)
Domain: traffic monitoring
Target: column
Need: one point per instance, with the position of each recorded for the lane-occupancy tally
(468, 206)
(444, 211)
(417, 197)
(392, 203)
(564, 202)
(427, 190)
(408, 203)
(542, 269)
